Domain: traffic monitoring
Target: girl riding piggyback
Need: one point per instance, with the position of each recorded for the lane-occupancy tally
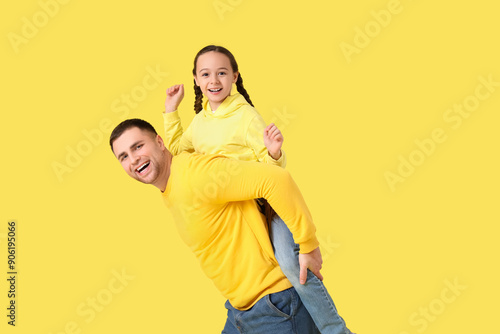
(228, 124)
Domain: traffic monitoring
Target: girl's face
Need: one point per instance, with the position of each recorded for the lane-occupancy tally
(215, 77)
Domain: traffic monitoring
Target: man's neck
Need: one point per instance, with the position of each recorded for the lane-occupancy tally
(165, 173)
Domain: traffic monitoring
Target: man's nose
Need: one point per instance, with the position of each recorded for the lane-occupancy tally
(134, 159)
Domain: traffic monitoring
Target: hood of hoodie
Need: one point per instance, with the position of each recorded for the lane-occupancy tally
(227, 108)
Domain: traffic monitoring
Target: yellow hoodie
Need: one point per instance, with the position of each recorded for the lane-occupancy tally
(211, 199)
(235, 130)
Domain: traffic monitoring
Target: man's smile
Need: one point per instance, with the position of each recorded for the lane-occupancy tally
(142, 169)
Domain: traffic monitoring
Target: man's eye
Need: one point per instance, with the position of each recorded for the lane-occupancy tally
(124, 157)
(139, 146)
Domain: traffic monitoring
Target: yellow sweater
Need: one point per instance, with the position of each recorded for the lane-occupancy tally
(235, 130)
(212, 202)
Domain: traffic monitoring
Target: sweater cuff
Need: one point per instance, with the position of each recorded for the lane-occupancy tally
(309, 245)
(280, 162)
(171, 116)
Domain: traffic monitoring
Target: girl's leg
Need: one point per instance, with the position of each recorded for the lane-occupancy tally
(313, 294)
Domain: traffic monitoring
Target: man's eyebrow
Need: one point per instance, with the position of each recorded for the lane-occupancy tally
(131, 146)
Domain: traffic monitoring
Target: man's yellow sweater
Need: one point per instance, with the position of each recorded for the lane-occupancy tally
(211, 198)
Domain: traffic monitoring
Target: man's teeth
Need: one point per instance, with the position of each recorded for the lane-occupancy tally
(215, 90)
(142, 167)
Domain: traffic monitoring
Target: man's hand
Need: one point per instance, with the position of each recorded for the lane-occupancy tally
(273, 139)
(311, 261)
(175, 94)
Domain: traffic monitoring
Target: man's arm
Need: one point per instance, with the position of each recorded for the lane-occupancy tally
(232, 180)
(311, 261)
(238, 181)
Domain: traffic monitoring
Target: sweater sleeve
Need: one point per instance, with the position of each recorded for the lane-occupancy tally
(255, 140)
(234, 180)
(176, 141)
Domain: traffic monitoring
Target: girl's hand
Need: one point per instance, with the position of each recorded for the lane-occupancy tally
(273, 139)
(175, 94)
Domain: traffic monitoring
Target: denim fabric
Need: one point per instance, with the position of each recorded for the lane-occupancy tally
(313, 294)
(277, 313)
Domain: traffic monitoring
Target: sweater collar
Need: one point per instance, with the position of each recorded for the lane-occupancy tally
(226, 108)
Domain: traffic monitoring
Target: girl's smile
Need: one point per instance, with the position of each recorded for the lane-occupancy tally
(215, 77)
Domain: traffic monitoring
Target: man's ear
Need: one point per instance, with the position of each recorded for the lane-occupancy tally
(160, 143)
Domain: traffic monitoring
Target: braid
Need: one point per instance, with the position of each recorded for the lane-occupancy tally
(242, 90)
(198, 102)
(239, 82)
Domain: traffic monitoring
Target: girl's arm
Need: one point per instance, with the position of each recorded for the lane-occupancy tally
(266, 142)
(176, 140)
(273, 139)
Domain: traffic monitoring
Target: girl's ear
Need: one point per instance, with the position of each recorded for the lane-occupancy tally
(235, 76)
(196, 81)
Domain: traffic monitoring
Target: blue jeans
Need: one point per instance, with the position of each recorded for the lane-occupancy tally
(277, 313)
(313, 293)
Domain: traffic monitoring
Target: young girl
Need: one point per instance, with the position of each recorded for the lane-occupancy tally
(229, 125)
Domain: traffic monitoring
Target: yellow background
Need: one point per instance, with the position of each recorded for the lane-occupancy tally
(390, 254)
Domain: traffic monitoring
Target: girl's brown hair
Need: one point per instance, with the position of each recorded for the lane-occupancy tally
(198, 102)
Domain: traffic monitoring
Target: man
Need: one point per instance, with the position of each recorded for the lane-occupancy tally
(212, 201)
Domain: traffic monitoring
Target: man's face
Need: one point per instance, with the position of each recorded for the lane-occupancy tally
(141, 154)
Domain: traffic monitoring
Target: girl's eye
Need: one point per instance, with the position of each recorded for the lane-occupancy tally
(204, 75)
(222, 73)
